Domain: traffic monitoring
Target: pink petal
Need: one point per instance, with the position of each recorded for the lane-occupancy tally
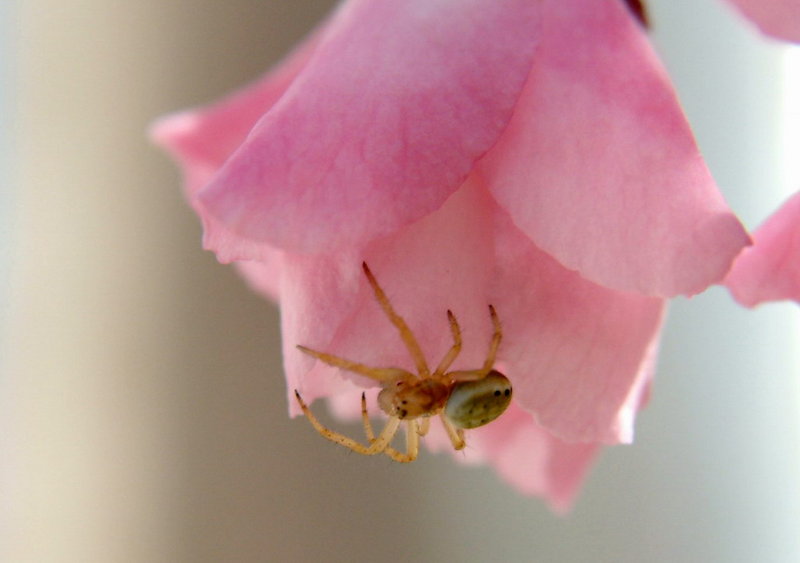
(202, 140)
(264, 276)
(319, 297)
(778, 18)
(770, 269)
(441, 262)
(580, 355)
(533, 460)
(380, 127)
(525, 455)
(598, 166)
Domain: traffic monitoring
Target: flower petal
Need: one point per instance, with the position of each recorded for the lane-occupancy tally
(580, 355)
(770, 269)
(524, 454)
(383, 124)
(441, 262)
(320, 295)
(201, 140)
(264, 276)
(598, 166)
(778, 18)
(533, 460)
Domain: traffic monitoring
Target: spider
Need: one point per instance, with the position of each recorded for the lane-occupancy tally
(462, 399)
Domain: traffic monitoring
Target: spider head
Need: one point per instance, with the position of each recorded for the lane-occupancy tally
(475, 403)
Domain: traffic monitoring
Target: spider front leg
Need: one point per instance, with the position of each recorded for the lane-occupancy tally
(378, 445)
(454, 350)
(494, 344)
(497, 336)
(405, 333)
(378, 374)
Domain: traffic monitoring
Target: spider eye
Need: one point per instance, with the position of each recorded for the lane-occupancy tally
(475, 403)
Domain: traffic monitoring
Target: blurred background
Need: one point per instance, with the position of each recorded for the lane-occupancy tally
(142, 409)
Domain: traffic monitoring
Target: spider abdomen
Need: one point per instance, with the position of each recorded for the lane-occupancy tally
(475, 403)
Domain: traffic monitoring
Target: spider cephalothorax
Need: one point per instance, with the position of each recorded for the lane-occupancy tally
(462, 399)
(409, 397)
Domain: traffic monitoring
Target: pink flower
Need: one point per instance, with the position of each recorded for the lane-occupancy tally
(529, 155)
(770, 269)
(778, 18)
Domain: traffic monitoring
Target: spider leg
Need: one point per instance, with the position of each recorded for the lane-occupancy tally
(456, 435)
(424, 425)
(390, 451)
(467, 375)
(399, 323)
(378, 445)
(412, 443)
(475, 374)
(454, 350)
(497, 335)
(365, 419)
(378, 374)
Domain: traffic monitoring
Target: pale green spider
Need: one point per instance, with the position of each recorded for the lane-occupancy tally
(463, 399)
